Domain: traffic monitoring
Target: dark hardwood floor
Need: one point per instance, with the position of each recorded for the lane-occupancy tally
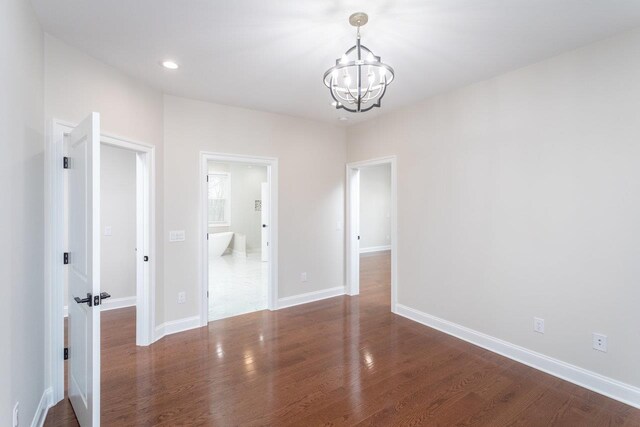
(341, 361)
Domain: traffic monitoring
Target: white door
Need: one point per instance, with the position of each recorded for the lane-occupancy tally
(84, 271)
(264, 215)
(354, 231)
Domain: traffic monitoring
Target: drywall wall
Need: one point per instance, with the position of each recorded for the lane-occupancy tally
(22, 215)
(246, 184)
(77, 84)
(118, 213)
(519, 197)
(375, 207)
(311, 192)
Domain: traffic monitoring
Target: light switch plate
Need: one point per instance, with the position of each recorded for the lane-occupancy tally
(177, 236)
(108, 231)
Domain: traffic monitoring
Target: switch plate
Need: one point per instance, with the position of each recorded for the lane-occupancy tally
(108, 231)
(182, 297)
(538, 325)
(303, 277)
(177, 236)
(600, 342)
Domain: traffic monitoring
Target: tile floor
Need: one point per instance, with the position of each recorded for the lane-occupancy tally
(237, 285)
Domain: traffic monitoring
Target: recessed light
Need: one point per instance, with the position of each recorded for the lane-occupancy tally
(343, 119)
(170, 65)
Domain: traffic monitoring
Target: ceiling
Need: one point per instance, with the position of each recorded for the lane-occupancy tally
(270, 54)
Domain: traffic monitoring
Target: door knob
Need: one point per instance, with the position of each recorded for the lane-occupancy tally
(104, 295)
(264, 225)
(86, 300)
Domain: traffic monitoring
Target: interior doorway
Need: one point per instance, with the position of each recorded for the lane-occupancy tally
(127, 275)
(239, 229)
(371, 220)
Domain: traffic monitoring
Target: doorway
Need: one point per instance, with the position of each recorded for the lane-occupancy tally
(239, 229)
(371, 227)
(137, 229)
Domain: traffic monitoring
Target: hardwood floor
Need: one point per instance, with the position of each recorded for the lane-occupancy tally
(341, 361)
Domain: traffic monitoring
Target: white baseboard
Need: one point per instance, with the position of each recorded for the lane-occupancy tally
(375, 249)
(590, 380)
(111, 304)
(115, 303)
(310, 297)
(46, 401)
(175, 326)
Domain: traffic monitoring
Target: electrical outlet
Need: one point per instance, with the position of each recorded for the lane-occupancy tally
(600, 342)
(303, 277)
(538, 325)
(182, 297)
(16, 413)
(108, 231)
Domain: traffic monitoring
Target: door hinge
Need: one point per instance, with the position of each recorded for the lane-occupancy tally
(358, 237)
(207, 178)
(65, 163)
(207, 236)
(65, 258)
(207, 294)
(66, 353)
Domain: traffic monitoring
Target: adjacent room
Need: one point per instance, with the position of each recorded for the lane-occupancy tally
(303, 213)
(238, 246)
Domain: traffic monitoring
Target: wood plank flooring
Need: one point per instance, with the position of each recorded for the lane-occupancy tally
(339, 362)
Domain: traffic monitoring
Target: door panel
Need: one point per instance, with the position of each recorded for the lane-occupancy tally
(84, 270)
(264, 214)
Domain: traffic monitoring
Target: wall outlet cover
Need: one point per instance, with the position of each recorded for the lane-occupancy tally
(538, 325)
(108, 231)
(182, 297)
(600, 342)
(303, 277)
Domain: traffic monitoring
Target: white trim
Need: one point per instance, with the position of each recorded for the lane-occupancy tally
(54, 241)
(111, 304)
(175, 326)
(272, 178)
(46, 402)
(116, 303)
(375, 249)
(352, 225)
(310, 297)
(606, 386)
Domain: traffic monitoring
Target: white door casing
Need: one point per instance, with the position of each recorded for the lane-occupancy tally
(84, 271)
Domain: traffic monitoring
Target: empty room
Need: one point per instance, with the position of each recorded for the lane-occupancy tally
(302, 213)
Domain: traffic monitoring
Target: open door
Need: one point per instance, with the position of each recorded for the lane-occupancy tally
(264, 215)
(353, 232)
(84, 271)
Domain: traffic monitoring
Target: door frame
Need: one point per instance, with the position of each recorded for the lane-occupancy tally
(54, 244)
(353, 225)
(272, 178)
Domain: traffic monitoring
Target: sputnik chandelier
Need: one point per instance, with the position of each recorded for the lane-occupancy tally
(359, 79)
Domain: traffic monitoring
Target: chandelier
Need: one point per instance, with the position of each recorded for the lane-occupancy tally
(359, 80)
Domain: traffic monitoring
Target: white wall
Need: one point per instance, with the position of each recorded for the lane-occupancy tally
(77, 84)
(246, 184)
(22, 215)
(519, 197)
(118, 211)
(375, 207)
(311, 192)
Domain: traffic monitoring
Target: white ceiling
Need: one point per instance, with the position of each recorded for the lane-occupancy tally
(270, 54)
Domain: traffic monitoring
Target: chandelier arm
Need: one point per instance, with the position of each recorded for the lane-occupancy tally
(343, 98)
